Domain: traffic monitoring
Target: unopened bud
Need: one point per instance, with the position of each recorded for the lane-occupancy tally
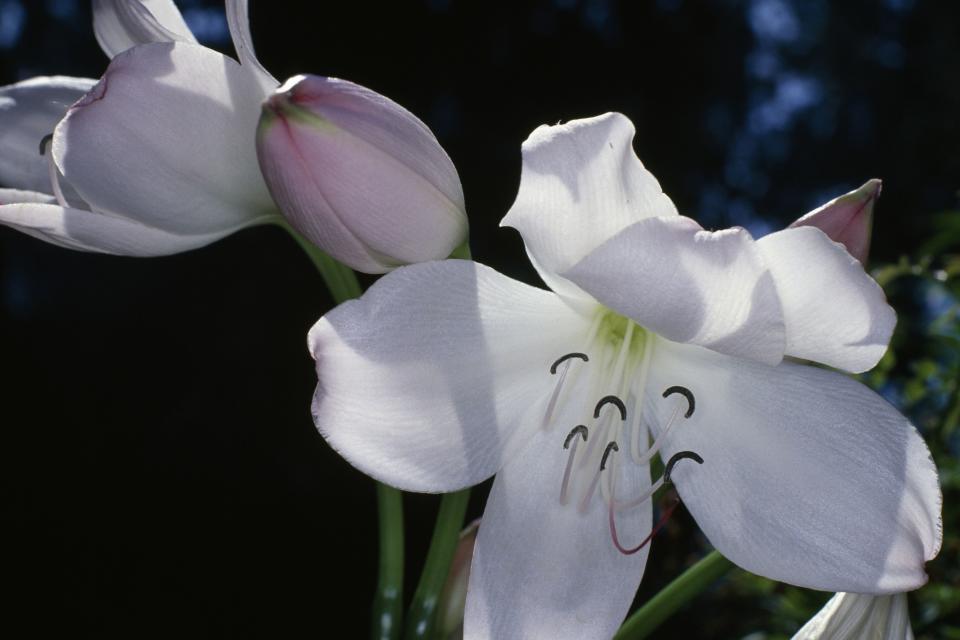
(453, 597)
(358, 175)
(847, 219)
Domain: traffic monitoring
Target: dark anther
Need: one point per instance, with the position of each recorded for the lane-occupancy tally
(677, 457)
(686, 393)
(562, 359)
(614, 400)
(610, 447)
(43, 143)
(581, 429)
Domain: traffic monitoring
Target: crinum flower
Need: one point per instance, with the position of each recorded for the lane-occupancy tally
(855, 616)
(658, 337)
(156, 157)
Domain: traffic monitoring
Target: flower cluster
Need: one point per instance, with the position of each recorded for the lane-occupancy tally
(722, 355)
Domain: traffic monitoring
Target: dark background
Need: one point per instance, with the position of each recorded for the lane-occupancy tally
(161, 474)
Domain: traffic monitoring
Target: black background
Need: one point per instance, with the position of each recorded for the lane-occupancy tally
(161, 474)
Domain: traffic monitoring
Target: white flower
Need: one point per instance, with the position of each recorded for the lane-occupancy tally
(157, 157)
(854, 616)
(658, 337)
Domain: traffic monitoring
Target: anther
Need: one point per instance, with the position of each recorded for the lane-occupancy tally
(571, 437)
(610, 447)
(677, 457)
(562, 359)
(686, 393)
(44, 141)
(614, 400)
(579, 429)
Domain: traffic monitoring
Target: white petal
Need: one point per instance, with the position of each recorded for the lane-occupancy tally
(427, 380)
(808, 477)
(854, 616)
(122, 24)
(18, 196)
(689, 285)
(580, 184)
(88, 231)
(833, 311)
(167, 137)
(29, 111)
(542, 570)
(239, 22)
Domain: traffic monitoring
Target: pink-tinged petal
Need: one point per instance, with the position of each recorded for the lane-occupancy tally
(95, 232)
(29, 111)
(545, 570)
(709, 288)
(438, 372)
(121, 24)
(834, 312)
(358, 175)
(808, 477)
(238, 21)
(167, 138)
(847, 219)
(581, 184)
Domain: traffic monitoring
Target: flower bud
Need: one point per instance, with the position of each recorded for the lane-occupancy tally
(453, 596)
(847, 219)
(358, 175)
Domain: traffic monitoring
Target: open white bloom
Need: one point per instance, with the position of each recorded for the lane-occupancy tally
(854, 616)
(658, 338)
(156, 157)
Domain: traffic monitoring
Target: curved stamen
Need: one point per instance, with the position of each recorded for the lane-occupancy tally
(615, 401)
(555, 396)
(52, 170)
(614, 506)
(677, 457)
(572, 436)
(581, 429)
(562, 359)
(610, 447)
(44, 141)
(686, 393)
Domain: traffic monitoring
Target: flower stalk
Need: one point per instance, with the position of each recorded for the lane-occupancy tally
(674, 596)
(422, 618)
(387, 612)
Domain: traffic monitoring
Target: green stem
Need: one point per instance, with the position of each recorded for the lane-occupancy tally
(388, 601)
(674, 596)
(340, 280)
(422, 616)
(387, 620)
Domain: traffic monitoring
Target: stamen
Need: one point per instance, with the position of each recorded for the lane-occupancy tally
(614, 400)
(614, 505)
(44, 141)
(52, 171)
(579, 429)
(658, 443)
(561, 359)
(639, 396)
(572, 436)
(686, 393)
(610, 447)
(677, 457)
(555, 396)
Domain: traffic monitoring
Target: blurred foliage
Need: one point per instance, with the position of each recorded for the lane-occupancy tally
(920, 375)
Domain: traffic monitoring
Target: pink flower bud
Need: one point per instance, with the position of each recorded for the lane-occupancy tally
(847, 219)
(358, 175)
(453, 596)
